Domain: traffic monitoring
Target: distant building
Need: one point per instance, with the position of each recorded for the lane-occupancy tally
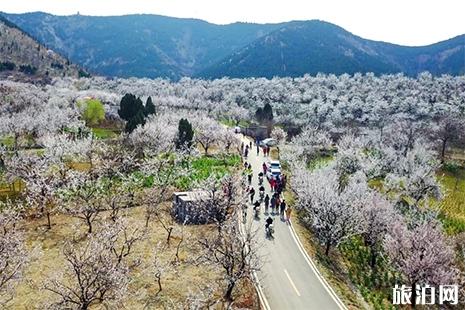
(255, 131)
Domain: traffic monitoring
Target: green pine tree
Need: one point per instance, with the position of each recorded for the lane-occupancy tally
(185, 134)
(149, 107)
(130, 106)
(138, 119)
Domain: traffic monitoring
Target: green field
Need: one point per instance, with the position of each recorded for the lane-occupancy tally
(232, 123)
(453, 204)
(207, 166)
(104, 133)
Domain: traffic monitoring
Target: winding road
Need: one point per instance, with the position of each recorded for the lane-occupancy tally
(289, 278)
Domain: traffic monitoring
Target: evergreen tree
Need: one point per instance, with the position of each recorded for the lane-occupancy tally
(267, 113)
(130, 106)
(138, 119)
(264, 115)
(259, 115)
(185, 134)
(149, 107)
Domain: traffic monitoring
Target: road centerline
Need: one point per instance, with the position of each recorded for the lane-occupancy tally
(292, 283)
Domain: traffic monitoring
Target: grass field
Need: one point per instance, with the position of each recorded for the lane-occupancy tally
(232, 123)
(320, 162)
(104, 133)
(453, 204)
(206, 166)
(10, 191)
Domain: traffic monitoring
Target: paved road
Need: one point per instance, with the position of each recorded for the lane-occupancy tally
(287, 278)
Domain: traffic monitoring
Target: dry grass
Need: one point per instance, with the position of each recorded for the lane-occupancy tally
(181, 279)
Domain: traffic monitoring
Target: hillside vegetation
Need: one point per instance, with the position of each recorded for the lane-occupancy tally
(21, 55)
(158, 46)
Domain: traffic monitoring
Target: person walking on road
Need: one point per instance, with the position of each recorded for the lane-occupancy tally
(273, 203)
(250, 144)
(282, 208)
(277, 203)
(267, 203)
(284, 180)
(272, 184)
(249, 178)
(288, 214)
(256, 208)
(252, 194)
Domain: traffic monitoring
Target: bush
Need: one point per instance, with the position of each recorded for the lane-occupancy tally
(28, 69)
(92, 111)
(7, 66)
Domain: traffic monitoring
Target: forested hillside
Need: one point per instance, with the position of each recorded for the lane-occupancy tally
(23, 57)
(158, 46)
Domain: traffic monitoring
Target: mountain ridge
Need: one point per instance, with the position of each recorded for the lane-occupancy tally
(23, 58)
(147, 45)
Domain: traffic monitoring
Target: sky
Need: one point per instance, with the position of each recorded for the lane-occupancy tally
(406, 22)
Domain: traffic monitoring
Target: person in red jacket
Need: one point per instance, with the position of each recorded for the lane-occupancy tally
(272, 183)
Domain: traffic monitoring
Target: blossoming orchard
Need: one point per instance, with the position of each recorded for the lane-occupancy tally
(374, 169)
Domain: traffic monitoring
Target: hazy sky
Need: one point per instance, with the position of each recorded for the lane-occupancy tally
(408, 22)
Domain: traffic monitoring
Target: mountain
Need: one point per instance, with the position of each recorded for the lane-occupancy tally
(23, 58)
(140, 45)
(158, 46)
(316, 46)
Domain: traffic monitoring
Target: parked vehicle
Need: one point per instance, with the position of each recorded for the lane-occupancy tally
(273, 173)
(274, 164)
(268, 142)
(273, 169)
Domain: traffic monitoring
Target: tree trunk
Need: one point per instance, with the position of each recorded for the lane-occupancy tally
(16, 142)
(159, 284)
(328, 246)
(147, 219)
(89, 225)
(443, 150)
(169, 230)
(49, 223)
(373, 256)
(228, 294)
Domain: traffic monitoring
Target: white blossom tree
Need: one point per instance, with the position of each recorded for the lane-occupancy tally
(92, 275)
(235, 253)
(14, 254)
(332, 212)
(423, 255)
(207, 133)
(280, 136)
